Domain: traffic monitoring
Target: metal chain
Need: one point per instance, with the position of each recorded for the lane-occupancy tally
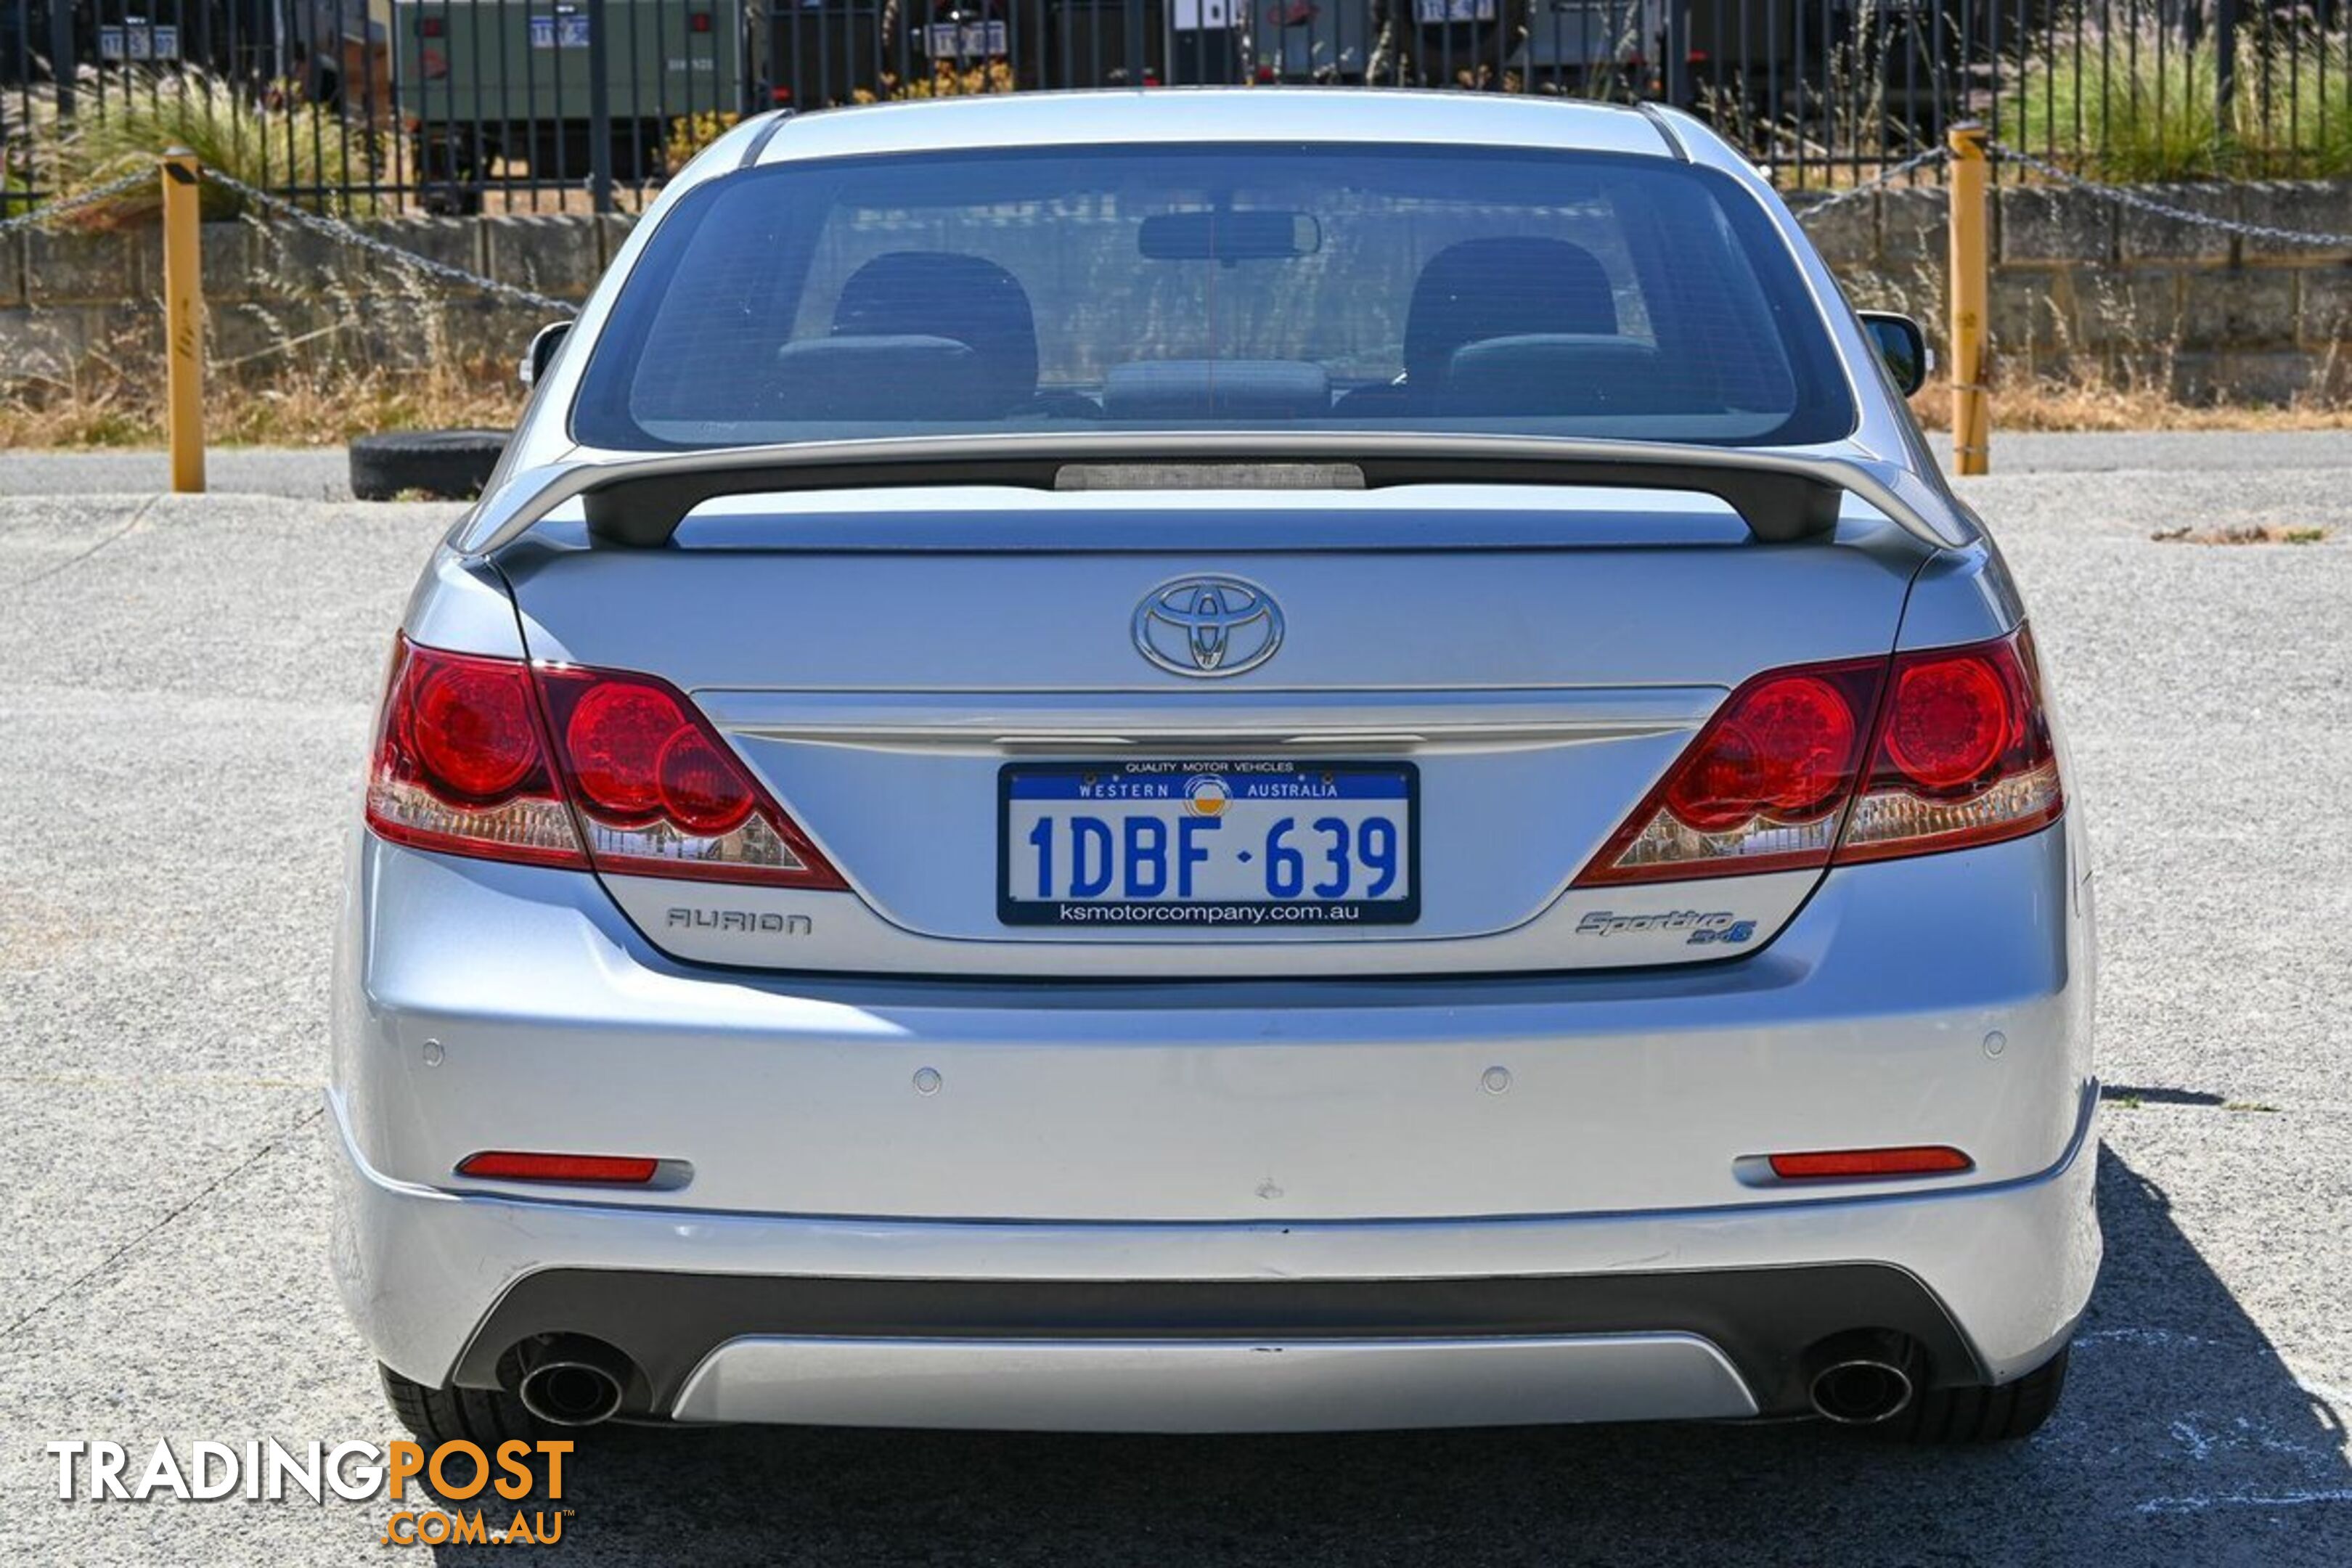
(1876, 183)
(336, 228)
(49, 211)
(2120, 196)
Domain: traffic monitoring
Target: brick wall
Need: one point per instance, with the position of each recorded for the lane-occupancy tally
(2075, 279)
(272, 290)
(2214, 316)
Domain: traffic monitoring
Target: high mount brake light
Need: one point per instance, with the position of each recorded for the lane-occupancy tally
(1959, 754)
(578, 768)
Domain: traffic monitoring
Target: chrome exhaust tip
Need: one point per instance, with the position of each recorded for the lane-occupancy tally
(574, 1382)
(1862, 1379)
(1861, 1393)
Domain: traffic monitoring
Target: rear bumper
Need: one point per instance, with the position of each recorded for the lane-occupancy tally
(1208, 1386)
(1945, 1000)
(1566, 1162)
(1219, 1326)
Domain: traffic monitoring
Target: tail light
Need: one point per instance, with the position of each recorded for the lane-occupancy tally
(581, 768)
(461, 762)
(1761, 789)
(1958, 754)
(1964, 756)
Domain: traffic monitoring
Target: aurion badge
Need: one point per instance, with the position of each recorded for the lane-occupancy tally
(1205, 626)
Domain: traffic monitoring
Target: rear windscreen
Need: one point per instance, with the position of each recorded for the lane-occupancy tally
(1232, 287)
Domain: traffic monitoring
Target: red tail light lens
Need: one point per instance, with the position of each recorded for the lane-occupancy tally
(1964, 755)
(1786, 747)
(659, 793)
(1763, 786)
(614, 734)
(579, 768)
(1961, 755)
(460, 764)
(471, 727)
(701, 789)
(1951, 718)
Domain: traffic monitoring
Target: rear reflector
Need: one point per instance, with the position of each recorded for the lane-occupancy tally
(1924, 1159)
(1959, 755)
(506, 1165)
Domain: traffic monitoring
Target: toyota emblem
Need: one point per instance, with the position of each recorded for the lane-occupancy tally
(1203, 626)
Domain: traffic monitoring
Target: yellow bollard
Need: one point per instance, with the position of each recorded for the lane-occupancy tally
(1971, 289)
(183, 321)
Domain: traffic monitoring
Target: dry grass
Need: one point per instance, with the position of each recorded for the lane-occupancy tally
(318, 385)
(2241, 533)
(110, 403)
(315, 364)
(118, 402)
(2090, 404)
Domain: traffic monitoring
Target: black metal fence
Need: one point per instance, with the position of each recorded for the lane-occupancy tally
(457, 105)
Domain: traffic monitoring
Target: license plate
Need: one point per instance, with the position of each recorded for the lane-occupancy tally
(1431, 12)
(138, 41)
(965, 40)
(1251, 845)
(559, 32)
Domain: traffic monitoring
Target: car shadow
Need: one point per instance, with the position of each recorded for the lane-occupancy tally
(2183, 1438)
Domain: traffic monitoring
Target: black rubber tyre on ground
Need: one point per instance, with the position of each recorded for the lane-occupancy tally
(441, 464)
(486, 1417)
(2003, 1414)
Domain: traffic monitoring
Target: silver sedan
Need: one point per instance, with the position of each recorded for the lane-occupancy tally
(1218, 761)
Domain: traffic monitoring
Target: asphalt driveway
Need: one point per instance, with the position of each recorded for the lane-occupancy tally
(185, 690)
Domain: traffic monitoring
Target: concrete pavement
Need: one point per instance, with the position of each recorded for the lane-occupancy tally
(189, 687)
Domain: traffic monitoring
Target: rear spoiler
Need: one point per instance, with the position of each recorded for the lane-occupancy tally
(638, 503)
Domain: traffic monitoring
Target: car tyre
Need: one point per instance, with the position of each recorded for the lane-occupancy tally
(2005, 1413)
(445, 465)
(482, 1415)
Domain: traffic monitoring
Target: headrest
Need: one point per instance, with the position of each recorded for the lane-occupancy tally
(901, 376)
(942, 294)
(1499, 288)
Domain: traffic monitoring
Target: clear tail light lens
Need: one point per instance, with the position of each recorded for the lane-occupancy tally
(580, 768)
(1958, 754)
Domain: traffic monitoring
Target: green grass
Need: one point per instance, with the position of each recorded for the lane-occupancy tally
(286, 146)
(2136, 103)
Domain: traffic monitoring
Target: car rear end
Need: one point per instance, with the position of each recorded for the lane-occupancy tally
(1239, 945)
